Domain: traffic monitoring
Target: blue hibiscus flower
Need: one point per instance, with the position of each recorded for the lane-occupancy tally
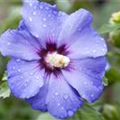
(57, 60)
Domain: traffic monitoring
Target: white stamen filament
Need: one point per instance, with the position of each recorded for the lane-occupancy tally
(57, 60)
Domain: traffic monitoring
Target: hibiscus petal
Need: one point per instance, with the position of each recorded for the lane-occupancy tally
(43, 20)
(38, 102)
(88, 44)
(86, 77)
(24, 78)
(79, 37)
(62, 100)
(19, 44)
(73, 25)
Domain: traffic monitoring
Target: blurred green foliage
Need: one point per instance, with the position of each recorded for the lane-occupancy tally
(107, 108)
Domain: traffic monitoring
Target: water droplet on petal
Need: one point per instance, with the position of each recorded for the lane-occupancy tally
(19, 70)
(44, 19)
(13, 68)
(41, 7)
(92, 95)
(49, 15)
(53, 34)
(85, 83)
(25, 85)
(27, 80)
(56, 93)
(9, 43)
(65, 97)
(70, 113)
(55, 12)
(36, 77)
(94, 51)
(30, 4)
(18, 60)
(31, 74)
(30, 19)
(103, 50)
(47, 8)
(58, 104)
(21, 77)
(35, 7)
(34, 13)
(44, 25)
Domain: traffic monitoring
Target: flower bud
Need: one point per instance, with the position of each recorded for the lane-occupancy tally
(110, 112)
(115, 38)
(115, 18)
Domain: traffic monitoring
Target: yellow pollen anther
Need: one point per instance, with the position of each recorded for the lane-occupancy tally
(57, 60)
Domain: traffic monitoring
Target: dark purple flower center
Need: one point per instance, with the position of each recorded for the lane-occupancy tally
(49, 49)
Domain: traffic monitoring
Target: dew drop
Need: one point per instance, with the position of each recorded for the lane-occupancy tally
(13, 68)
(92, 95)
(31, 74)
(19, 70)
(58, 104)
(44, 25)
(36, 77)
(65, 97)
(94, 51)
(44, 19)
(41, 7)
(103, 50)
(85, 83)
(102, 39)
(54, 12)
(70, 113)
(21, 77)
(30, 4)
(56, 93)
(36, 35)
(35, 7)
(104, 45)
(30, 19)
(34, 13)
(9, 43)
(53, 34)
(18, 60)
(47, 8)
(27, 80)
(83, 95)
(49, 15)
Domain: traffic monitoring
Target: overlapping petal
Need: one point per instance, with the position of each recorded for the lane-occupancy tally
(19, 44)
(73, 25)
(86, 77)
(38, 102)
(43, 20)
(24, 78)
(88, 44)
(61, 100)
(80, 38)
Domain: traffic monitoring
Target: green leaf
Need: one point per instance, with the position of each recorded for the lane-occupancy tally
(3, 62)
(45, 116)
(4, 77)
(105, 81)
(108, 28)
(4, 90)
